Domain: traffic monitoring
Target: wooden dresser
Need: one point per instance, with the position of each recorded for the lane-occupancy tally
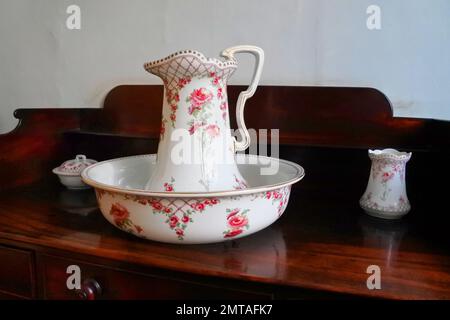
(320, 248)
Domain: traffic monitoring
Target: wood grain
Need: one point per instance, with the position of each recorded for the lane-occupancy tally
(126, 285)
(17, 273)
(28, 153)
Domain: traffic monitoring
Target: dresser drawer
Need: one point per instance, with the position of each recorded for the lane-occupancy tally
(16, 273)
(120, 284)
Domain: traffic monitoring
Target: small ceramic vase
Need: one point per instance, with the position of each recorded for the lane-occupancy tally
(385, 196)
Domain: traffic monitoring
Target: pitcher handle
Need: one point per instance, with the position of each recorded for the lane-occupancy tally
(258, 53)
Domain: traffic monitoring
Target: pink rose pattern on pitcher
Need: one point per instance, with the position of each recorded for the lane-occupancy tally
(199, 100)
(169, 186)
(224, 109)
(162, 130)
(239, 184)
(199, 103)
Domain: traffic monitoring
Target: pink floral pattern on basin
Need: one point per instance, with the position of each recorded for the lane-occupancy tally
(237, 222)
(280, 198)
(121, 218)
(179, 213)
(178, 217)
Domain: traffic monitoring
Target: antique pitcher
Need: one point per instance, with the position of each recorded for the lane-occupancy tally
(385, 195)
(196, 151)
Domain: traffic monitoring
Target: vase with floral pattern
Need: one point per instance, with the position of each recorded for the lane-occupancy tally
(196, 152)
(385, 195)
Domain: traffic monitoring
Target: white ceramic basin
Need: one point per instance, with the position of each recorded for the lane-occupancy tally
(189, 218)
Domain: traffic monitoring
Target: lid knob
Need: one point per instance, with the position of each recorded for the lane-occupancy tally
(80, 157)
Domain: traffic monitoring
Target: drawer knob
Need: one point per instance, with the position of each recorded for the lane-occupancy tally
(90, 290)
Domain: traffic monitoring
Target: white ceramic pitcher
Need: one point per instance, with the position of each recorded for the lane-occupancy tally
(196, 151)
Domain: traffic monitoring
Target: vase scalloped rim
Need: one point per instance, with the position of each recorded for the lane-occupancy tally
(194, 53)
(294, 178)
(390, 153)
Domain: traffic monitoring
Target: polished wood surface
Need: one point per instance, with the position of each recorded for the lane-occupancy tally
(323, 242)
(17, 273)
(111, 283)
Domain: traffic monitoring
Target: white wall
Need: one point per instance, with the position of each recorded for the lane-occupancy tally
(307, 42)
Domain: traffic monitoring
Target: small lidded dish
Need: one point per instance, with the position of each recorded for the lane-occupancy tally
(69, 172)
